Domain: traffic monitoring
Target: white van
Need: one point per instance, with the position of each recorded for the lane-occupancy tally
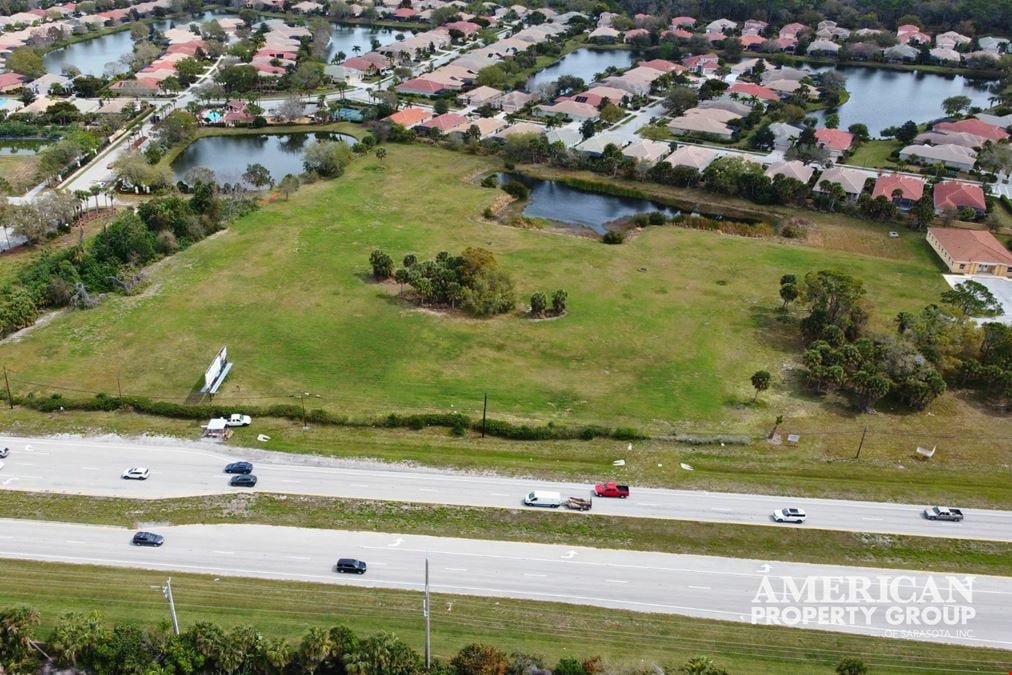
(541, 498)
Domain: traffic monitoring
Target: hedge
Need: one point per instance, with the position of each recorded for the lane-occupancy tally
(456, 422)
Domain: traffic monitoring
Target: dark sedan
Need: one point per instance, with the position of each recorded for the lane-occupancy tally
(243, 480)
(350, 565)
(148, 539)
(239, 467)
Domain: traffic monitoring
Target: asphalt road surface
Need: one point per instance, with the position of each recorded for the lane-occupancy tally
(93, 467)
(700, 586)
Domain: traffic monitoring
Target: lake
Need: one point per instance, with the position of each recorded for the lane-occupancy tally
(95, 56)
(556, 201)
(228, 156)
(346, 38)
(582, 63)
(881, 97)
(21, 146)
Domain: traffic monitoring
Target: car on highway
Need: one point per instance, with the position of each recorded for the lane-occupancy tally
(4, 452)
(611, 490)
(551, 500)
(243, 480)
(239, 467)
(790, 515)
(943, 513)
(350, 566)
(148, 539)
(136, 473)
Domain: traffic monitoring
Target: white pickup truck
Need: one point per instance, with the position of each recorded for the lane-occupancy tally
(943, 513)
(237, 420)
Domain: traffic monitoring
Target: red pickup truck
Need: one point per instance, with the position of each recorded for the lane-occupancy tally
(611, 490)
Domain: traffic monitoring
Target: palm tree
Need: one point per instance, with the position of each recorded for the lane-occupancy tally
(356, 49)
(82, 196)
(95, 191)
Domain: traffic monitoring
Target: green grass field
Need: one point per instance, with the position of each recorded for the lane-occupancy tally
(662, 334)
(875, 154)
(641, 534)
(551, 630)
(19, 171)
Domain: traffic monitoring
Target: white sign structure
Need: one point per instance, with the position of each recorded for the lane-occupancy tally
(216, 372)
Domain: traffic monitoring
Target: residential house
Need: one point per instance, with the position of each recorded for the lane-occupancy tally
(851, 180)
(721, 26)
(692, 156)
(784, 135)
(791, 169)
(236, 112)
(975, 127)
(901, 53)
(568, 136)
(468, 28)
(784, 73)
(683, 22)
(953, 195)
(410, 116)
(737, 107)
(970, 251)
(702, 64)
(646, 151)
(952, 156)
(836, 141)
(515, 100)
(596, 96)
(571, 109)
(480, 96)
(993, 44)
(633, 34)
(704, 121)
(596, 144)
(421, 86)
(945, 55)
(903, 191)
(443, 122)
(792, 30)
(11, 81)
(518, 129)
(748, 90)
(951, 39)
(485, 126)
(753, 27)
(949, 138)
(752, 41)
(604, 35)
(822, 46)
(661, 65)
(1000, 121)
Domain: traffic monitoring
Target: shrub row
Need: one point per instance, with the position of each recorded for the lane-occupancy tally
(456, 422)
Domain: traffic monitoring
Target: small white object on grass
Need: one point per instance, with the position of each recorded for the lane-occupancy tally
(263, 438)
(659, 465)
(629, 447)
(618, 462)
(687, 467)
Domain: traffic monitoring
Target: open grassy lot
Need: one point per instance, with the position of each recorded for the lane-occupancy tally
(19, 171)
(641, 534)
(875, 154)
(551, 630)
(662, 334)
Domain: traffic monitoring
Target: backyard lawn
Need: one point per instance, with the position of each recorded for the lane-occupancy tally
(875, 154)
(663, 332)
(19, 171)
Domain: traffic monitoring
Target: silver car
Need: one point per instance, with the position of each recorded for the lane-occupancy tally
(789, 515)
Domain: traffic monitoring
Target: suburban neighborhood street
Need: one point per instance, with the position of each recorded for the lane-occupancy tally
(700, 586)
(93, 467)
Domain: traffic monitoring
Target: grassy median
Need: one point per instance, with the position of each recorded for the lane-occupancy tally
(622, 639)
(641, 534)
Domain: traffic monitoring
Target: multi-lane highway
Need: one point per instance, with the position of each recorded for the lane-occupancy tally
(93, 467)
(707, 587)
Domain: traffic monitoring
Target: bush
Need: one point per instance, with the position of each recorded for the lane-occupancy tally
(539, 303)
(488, 213)
(490, 181)
(382, 265)
(656, 218)
(516, 189)
(560, 302)
(613, 237)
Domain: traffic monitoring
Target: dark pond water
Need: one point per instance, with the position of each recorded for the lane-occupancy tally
(101, 55)
(21, 147)
(583, 63)
(882, 98)
(228, 156)
(556, 201)
(346, 38)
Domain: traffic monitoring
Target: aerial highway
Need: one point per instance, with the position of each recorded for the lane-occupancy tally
(700, 586)
(93, 467)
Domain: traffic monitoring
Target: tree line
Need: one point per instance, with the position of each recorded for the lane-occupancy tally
(931, 350)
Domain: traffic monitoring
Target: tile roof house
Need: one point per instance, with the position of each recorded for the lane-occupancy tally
(443, 122)
(721, 26)
(750, 90)
(571, 109)
(515, 100)
(422, 87)
(604, 34)
(970, 251)
(567, 136)
(661, 65)
(910, 189)
(752, 41)
(520, 128)
(702, 64)
(709, 121)
(410, 116)
(901, 53)
(647, 151)
(631, 35)
(822, 46)
(784, 135)
(950, 138)
(791, 169)
(836, 141)
(480, 96)
(946, 54)
(692, 156)
(975, 127)
(851, 180)
(952, 195)
(596, 144)
(486, 126)
(680, 21)
(952, 156)
(11, 81)
(792, 30)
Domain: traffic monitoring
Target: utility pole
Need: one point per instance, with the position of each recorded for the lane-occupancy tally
(484, 412)
(861, 444)
(427, 614)
(167, 592)
(10, 398)
(119, 387)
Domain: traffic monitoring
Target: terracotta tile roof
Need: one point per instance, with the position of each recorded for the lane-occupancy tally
(910, 187)
(975, 127)
(954, 194)
(971, 245)
(834, 139)
(409, 116)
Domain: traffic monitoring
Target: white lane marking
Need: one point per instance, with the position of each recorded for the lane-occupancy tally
(284, 480)
(397, 542)
(569, 555)
(528, 574)
(765, 567)
(700, 588)
(10, 480)
(224, 552)
(298, 557)
(90, 468)
(645, 504)
(359, 485)
(872, 518)
(721, 510)
(617, 581)
(456, 569)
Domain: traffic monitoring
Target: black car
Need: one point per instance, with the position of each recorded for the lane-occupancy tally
(4, 452)
(243, 480)
(239, 467)
(148, 539)
(350, 565)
